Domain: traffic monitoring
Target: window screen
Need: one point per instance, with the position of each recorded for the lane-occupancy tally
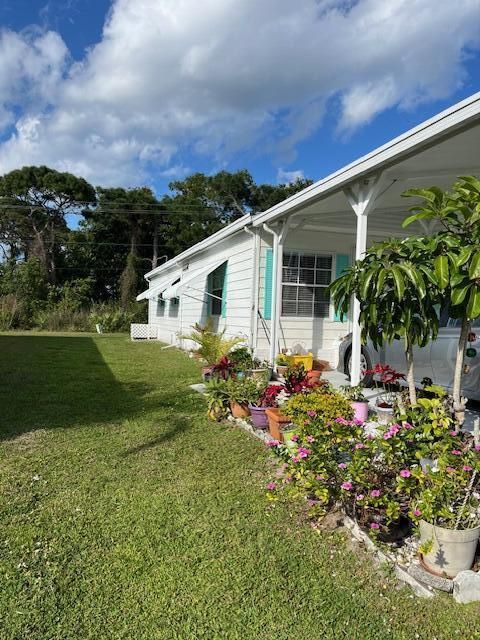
(305, 278)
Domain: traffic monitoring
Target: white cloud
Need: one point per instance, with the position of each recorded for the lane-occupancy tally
(172, 78)
(287, 177)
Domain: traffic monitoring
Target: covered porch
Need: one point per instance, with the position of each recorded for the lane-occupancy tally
(343, 214)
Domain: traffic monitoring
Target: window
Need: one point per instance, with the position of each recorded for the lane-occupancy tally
(305, 279)
(216, 285)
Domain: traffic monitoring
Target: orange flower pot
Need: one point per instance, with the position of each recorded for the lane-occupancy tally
(314, 375)
(275, 421)
(239, 410)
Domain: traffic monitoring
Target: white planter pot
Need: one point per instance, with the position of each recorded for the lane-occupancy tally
(452, 551)
(384, 414)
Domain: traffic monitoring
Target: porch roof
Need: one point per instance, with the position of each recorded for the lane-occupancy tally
(436, 152)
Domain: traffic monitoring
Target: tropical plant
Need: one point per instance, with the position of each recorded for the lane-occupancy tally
(244, 392)
(395, 301)
(386, 378)
(322, 406)
(269, 397)
(212, 345)
(241, 359)
(453, 261)
(223, 368)
(281, 360)
(216, 394)
(353, 394)
(296, 380)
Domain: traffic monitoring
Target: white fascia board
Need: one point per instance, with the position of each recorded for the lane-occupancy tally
(418, 137)
(233, 227)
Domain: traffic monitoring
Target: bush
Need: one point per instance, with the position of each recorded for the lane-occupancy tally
(13, 313)
(321, 405)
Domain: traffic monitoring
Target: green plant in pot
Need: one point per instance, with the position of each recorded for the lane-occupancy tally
(241, 394)
(212, 345)
(357, 400)
(218, 401)
(282, 364)
(446, 506)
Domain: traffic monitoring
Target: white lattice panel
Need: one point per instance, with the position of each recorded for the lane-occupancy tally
(143, 332)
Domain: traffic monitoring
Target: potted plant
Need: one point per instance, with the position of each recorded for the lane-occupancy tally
(241, 359)
(358, 401)
(212, 346)
(267, 399)
(305, 359)
(241, 394)
(386, 379)
(222, 369)
(216, 393)
(282, 364)
(447, 509)
(276, 422)
(260, 370)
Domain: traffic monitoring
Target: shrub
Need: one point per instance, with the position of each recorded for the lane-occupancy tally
(212, 345)
(320, 406)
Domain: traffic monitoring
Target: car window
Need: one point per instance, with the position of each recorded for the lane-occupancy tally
(454, 323)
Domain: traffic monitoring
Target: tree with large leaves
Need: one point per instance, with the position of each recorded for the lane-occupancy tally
(454, 261)
(397, 297)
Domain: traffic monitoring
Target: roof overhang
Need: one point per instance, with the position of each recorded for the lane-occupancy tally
(156, 291)
(437, 151)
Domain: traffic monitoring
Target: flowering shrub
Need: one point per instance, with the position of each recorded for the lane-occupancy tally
(318, 408)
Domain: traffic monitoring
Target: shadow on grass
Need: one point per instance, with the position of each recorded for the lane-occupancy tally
(178, 426)
(59, 381)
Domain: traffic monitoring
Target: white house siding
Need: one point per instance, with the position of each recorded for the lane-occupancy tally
(193, 306)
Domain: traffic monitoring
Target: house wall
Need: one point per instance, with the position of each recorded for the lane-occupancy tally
(174, 321)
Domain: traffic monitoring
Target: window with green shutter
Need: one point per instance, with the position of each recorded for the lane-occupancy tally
(217, 288)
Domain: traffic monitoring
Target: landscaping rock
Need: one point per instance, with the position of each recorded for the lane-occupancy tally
(466, 587)
(436, 582)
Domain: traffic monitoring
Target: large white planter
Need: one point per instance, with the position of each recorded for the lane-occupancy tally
(452, 551)
(384, 414)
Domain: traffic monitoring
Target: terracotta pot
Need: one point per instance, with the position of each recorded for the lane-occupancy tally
(258, 416)
(239, 410)
(275, 420)
(314, 375)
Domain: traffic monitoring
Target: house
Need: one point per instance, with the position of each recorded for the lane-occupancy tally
(265, 276)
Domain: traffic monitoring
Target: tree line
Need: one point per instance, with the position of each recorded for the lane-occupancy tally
(67, 246)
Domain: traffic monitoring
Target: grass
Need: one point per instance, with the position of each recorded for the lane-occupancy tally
(125, 514)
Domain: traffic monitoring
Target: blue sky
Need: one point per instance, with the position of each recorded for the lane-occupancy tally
(146, 91)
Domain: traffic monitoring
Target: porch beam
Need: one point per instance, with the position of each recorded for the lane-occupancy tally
(362, 200)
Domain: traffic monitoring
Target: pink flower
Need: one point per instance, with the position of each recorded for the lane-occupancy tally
(312, 414)
(394, 429)
(450, 469)
(375, 493)
(295, 459)
(359, 445)
(360, 497)
(273, 443)
(477, 447)
(453, 433)
(303, 453)
(417, 513)
(467, 467)
(342, 465)
(310, 439)
(456, 452)
(271, 486)
(347, 486)
(294, 438)
(356, 422)
(341, 421)
(320, 478)
(387, 435)
(407, 425)
(288, 479)
(374, 525)
(405, 473)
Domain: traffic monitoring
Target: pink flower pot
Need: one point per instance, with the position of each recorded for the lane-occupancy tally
(360, 410)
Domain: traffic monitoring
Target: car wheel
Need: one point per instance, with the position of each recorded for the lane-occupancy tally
(365, 364)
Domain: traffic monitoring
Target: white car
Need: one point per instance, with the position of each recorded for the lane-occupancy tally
(435, 361)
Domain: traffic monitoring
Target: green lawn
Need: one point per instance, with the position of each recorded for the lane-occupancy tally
(124, 513)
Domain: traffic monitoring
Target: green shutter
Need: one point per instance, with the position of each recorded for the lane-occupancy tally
(224, 292)
(267, 305)
(209, 297)
(342, 262)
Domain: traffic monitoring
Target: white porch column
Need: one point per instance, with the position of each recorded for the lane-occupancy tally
(273, 319)
(362, 201)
